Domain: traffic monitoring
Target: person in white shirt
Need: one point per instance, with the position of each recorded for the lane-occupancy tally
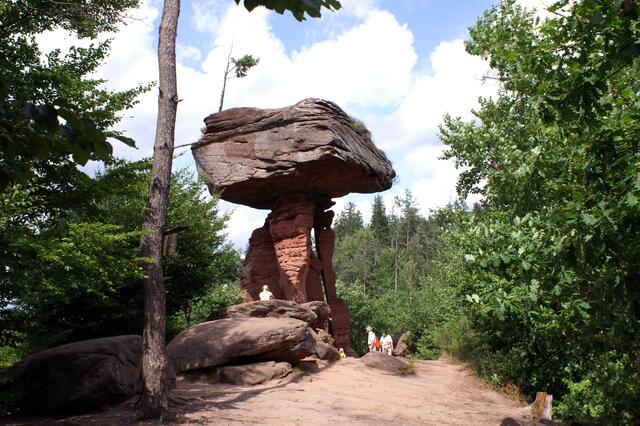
(265, 294)
(371, 339)
(387, 343)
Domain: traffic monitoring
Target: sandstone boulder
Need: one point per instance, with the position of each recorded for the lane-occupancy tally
(253, 374)
(77, 377)
(401, 344)
(325, 337)
(241, 340)
(245, 374)
(322, 311)
(381, 361)
(323, 350)
(276, 308)
(341, 325)
(253, 156)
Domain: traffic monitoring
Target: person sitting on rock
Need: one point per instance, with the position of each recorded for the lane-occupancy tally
(387, 343)
(371, 339)
(265, 294)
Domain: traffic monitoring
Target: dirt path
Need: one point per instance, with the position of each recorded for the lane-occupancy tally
(349, 393)
(344, 393)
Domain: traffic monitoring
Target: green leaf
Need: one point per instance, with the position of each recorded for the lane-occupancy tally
(589, 219)
(126, 140)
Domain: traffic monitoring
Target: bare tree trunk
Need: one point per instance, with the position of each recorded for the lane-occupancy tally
(154, 364)
(224, 82)
(395, 268)
(366, 264)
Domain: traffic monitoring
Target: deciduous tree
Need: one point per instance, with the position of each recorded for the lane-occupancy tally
(51, 108)
(552, 260)
(154, 399)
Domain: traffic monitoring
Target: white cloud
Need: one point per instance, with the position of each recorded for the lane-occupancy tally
(435, 179)
(366, 68)
(133, 61)
(207, 14)
(187, 53)
(454, 88)
(369, 65)
(242, 222)
(358, 8)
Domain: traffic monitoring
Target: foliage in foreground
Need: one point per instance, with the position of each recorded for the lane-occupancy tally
(50, 107)
(552, 261)
(70, 254)
(537, 288)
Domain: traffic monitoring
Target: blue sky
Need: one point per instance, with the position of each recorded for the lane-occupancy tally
(399, 65)
(430, 21)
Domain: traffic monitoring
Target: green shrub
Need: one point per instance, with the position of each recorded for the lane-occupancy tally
(9, 355)
(426, 348)
(456, 338)
(360, 128)
(203, 308)
(606, 391)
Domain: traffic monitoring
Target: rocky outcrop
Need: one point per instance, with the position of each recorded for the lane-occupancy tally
(290, 228)
(325, 337)
(241, 340)
(253, 374)
(381, 361)
(325, 245)
(341, 325)
(280, 254)
(303, 273)
(260, 267)
(253, 156)
(323, 350)
(77, 377)
(314, 281)
(246, 374)
(293, 161)
(310, 313)
(322, 312)
(401, 344)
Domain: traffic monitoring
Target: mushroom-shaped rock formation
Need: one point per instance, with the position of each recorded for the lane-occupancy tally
(293, 161)
(255, 155)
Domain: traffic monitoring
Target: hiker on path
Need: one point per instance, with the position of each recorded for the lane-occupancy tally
(371, 339)
(387, 343)
(265, 294)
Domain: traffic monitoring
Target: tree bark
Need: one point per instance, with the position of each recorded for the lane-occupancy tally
(395, 267)
(224, 82)
(154, 364)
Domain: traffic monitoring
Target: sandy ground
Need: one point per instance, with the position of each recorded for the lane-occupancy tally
(343, 393)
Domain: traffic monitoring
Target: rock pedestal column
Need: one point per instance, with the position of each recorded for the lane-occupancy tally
(260, 267)
(290, 228)
(325, 244)
(281, 256)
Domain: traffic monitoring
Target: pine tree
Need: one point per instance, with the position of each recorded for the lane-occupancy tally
(349, 221)
(380, 222)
